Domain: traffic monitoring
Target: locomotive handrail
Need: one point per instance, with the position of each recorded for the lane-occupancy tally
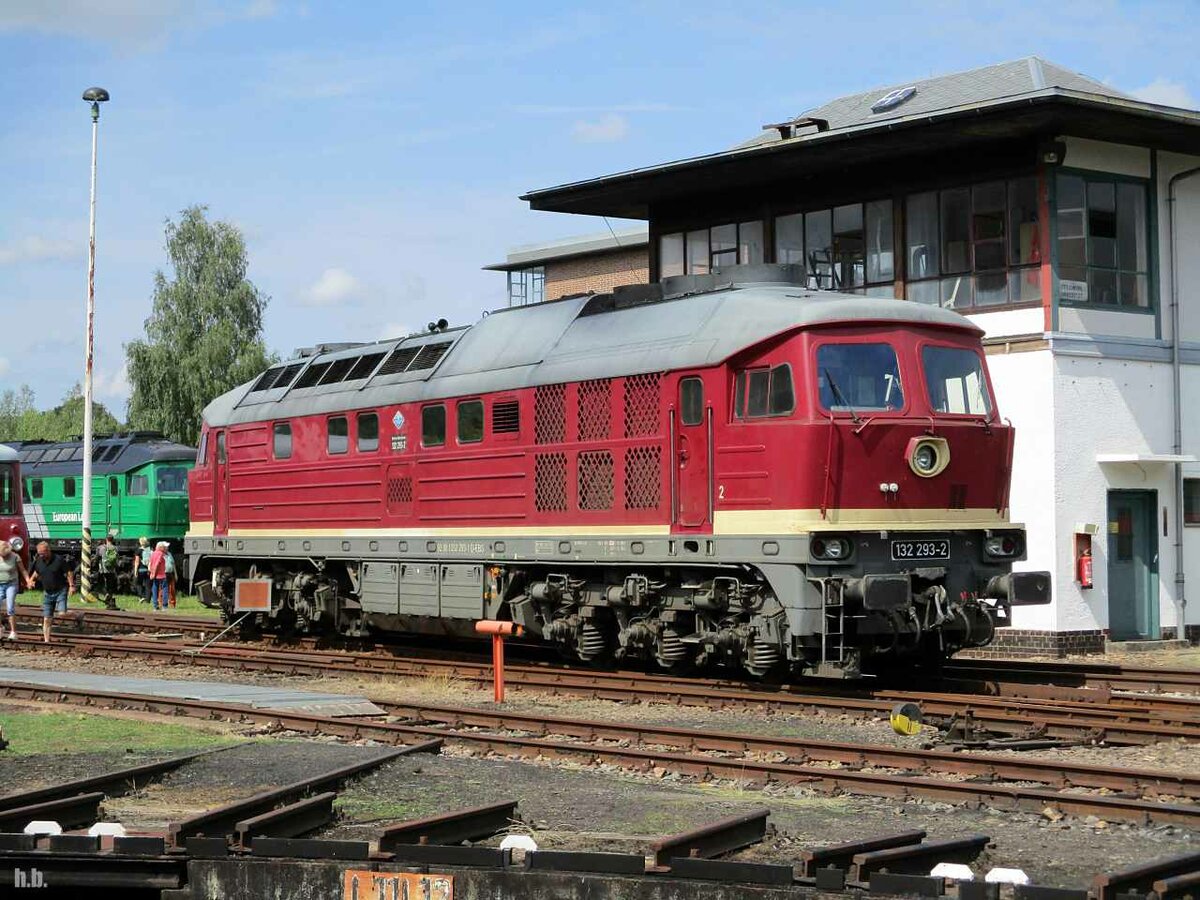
(828, 464)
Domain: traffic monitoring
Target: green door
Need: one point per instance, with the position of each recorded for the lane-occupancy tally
(112, 504)
(1132, 566)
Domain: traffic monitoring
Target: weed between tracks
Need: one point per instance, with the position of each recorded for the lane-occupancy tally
(30, 733)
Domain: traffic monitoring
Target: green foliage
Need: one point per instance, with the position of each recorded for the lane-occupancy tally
(31, 733)
(21, 421)
(204, 334)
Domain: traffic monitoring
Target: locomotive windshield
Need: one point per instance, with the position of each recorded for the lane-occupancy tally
(8, 491)
(171, 480)
(954, 379)
(857, 377)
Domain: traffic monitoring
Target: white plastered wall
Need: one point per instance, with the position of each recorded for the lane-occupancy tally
(1022, 384)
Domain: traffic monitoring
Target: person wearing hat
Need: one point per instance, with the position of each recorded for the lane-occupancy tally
(158, 575)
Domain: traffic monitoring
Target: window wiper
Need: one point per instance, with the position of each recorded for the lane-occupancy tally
(840, 397)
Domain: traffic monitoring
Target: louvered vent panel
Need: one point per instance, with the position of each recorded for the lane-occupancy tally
(506, 417)
(398, 361)
(641, 405)
(338, 370)
(428, 357)
(595, 411)
(288, 375)
(312, 375)
(364, 366)
(266, 380)
(596, 480)
(643, 477)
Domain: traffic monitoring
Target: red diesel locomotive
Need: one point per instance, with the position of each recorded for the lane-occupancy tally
(12, 519)
(727, 469)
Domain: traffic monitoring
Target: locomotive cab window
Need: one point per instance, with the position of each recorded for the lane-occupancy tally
(139, 485)
(202, 453)
(282, 440)
(433, 426)
(759, 393)
(8, 492)
(955, 381)
(856, 377)
(338, 435)
(171, 480)
(368, 432)
(221, 448)
(470, 421)
(691, 401)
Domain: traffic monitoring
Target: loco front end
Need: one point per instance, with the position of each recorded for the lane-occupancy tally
(914, 555)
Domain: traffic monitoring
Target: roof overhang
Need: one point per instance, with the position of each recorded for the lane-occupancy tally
(1045, 113)
(556, 251)
(1144, 458)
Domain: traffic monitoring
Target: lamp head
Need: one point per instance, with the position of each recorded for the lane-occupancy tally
(95, 95)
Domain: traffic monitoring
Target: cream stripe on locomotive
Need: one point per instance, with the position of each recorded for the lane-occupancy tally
(727, 522)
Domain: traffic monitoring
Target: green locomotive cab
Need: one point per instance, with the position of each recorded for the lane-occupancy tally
(139, 489)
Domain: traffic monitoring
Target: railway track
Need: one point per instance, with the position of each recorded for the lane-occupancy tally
(998, 782)
(1029, 678)
(1125, 723)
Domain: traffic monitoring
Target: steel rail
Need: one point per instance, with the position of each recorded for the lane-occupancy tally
(1014, 797)
(1115, 725)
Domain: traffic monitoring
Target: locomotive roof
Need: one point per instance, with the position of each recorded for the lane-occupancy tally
(7, 454)
(111, 455)
(685, 323)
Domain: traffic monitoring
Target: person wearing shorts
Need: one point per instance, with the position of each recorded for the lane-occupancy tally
(11, 568)
(57, 580)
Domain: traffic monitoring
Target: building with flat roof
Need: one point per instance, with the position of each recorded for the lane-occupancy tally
(576, 265)
(1063, 217)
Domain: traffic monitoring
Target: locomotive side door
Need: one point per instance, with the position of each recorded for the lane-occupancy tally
(220, 487)
(692, 453)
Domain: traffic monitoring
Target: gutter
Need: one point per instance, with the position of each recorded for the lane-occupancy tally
(1180, 595)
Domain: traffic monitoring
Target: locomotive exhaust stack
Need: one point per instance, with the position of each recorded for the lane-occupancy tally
(725, 470)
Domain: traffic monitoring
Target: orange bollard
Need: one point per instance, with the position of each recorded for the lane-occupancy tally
(498, 630)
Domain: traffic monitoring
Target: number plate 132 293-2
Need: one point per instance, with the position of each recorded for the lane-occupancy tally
(934, 548)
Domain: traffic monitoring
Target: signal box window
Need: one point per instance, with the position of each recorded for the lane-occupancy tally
(35, 488)
(1191, 501)
(470, 422)
(368, 432)
(68, 487)
(856, 377)
(760, 393)
(433, 426)
(338, 439)
(954, 378)
(282, 440)
(139, 485)
(691, 401)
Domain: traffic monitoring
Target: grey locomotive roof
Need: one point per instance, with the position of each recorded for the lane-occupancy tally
(7, 454)
(111, 455)
(700, 324)
(977, 86)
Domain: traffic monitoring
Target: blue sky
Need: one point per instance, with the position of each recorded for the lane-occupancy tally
(372, 152)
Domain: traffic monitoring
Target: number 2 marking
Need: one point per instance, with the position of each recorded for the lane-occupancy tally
(720, 492)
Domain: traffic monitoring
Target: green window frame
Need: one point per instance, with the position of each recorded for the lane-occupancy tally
(1104, 250)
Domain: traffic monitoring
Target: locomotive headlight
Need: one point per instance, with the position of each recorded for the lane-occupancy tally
(832, 549)
(1004, 544)
(16, 542)
(928, 456)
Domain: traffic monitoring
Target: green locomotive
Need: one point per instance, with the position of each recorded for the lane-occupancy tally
(139, 489)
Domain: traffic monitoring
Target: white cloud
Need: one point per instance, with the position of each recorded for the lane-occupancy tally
(34, 248)
(111, 385)
(605, 130)
(334, 287)
(1167, 93)
(5, 365)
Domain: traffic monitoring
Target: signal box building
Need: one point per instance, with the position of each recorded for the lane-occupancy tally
(593, 263)
(1059, 214)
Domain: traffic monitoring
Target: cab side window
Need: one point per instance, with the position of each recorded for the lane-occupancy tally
(764, 392)
(338, 440)
(470, 421)
(282, 440)
(433, 426)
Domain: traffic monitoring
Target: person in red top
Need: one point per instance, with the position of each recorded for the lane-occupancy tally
(158, 575)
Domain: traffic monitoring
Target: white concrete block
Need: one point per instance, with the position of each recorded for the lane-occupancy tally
(953, 871)
(41, 826)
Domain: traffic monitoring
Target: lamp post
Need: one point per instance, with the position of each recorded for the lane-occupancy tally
(94, 96)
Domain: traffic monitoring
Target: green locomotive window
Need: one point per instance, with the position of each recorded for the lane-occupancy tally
(338, 435)
(171, 480)
(282, 440)
(113, 489)
(35, 488)
(433, 426)
(139, 485)
(691, 401)
(68, 487)
(368, 432)
(856, 377)
(470, 421)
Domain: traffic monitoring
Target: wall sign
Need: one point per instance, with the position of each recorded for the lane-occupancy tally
(1072, 291)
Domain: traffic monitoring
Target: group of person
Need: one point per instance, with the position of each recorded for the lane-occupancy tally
(153, 573)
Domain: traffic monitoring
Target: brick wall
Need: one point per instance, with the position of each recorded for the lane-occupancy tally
(600, 272)
(1040, 643)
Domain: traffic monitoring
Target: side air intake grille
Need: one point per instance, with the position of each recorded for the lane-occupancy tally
(312, 375)
(428, 357)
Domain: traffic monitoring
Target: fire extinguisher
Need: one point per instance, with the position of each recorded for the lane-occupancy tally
(1084, 568)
